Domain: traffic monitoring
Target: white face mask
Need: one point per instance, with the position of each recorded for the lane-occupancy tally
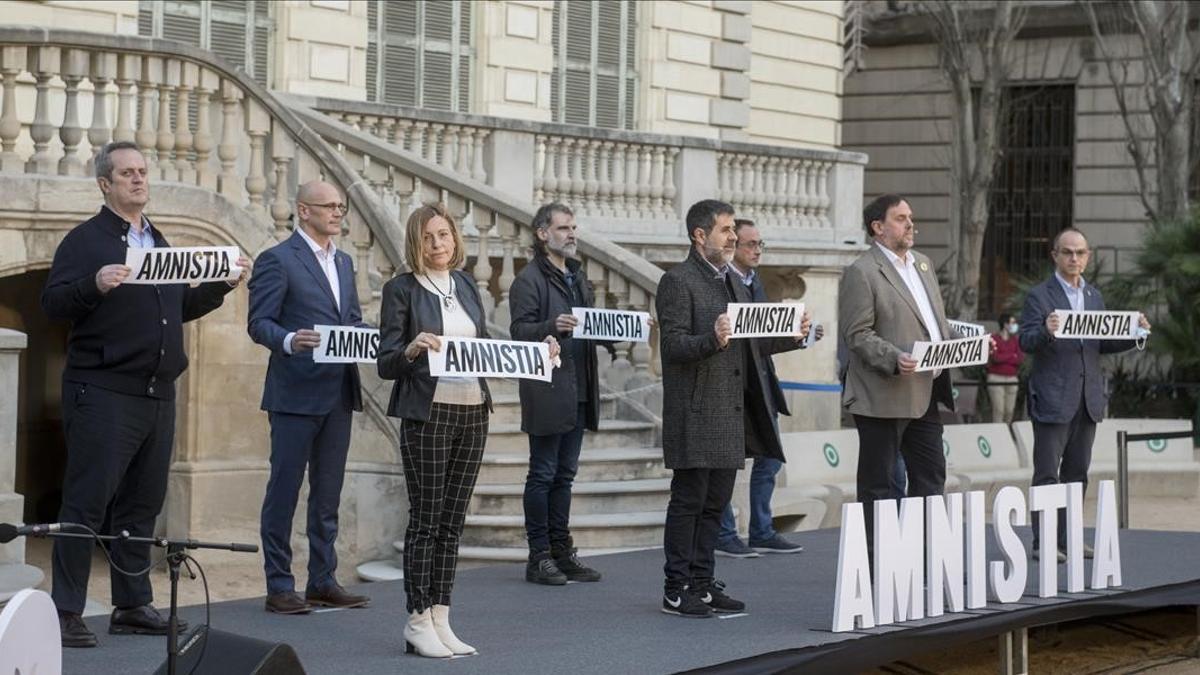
(1013, 328)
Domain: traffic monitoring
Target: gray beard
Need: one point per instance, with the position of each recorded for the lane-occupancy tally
(564, 252)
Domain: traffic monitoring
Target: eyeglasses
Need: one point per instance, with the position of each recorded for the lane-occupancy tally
(341, 208)
(753, 245)
(1074, 252)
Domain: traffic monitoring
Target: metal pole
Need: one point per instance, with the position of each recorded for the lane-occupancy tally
(1123, 479)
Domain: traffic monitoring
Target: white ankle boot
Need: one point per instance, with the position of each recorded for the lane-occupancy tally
(420, 637)
(441, 624)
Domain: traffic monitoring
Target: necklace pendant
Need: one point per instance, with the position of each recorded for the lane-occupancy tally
(449, 302)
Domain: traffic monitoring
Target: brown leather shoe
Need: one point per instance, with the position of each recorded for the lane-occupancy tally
(335, 596)
(288, 602)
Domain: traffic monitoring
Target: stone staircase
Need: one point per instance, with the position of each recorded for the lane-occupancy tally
(619, 499)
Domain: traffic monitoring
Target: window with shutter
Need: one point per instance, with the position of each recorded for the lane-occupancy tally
(594, 78)
(239, 31)
(419, 53)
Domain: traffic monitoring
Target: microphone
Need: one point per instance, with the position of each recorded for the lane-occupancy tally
(8, 532)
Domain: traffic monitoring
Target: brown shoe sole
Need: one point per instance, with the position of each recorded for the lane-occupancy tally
(327, 603)
(299, 610)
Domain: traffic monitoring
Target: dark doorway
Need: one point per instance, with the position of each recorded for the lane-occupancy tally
(1032, 197)
(41, 449)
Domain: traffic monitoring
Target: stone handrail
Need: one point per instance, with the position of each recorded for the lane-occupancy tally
(622, 180)
(404, 179)
(198, 120)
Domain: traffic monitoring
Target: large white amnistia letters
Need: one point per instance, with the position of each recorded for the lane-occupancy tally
(944, 555)
(1047, 500)
(1074, 537)
(899, 560)
(976, 550)
(852, 600)
(1106, 567)
(1008, 510)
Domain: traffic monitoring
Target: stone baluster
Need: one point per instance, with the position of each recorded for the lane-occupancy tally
(203, 139)
(639, 354)
(596, 276)
(631, 185)
(370, 125)
(227, 151)
(151, 75)
(549, 171)
(12, 64)
(808, 200)
(435, 142)
(791, 168)
(352, 120)
(400, 133)
(282, 151)
(189, 74)
(761, 198)
(643, 181)
(771, 194)
(578, 181)
(656, 182)
(737, 194)
(669, 189)
(604, 191)
(590, 183)
(620, 370)
(450, 146)
(44, 63)
(383, 130)
(781, 183)
(478, 172)
(258, 125)
(507, 230)
(166, 136)
(723, 177)
(418, 140)
(129, 67)
(73, 69)
(103, 70)
(482, 270)
(539, 169)
(619, 207)
(466, 152)
(823, 200)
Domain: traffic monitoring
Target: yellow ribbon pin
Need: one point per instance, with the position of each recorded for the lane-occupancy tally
(924, 267)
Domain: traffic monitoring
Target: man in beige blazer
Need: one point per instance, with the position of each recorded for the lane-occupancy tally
(888, 299)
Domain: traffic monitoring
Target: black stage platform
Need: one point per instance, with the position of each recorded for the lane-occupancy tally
(615, 626)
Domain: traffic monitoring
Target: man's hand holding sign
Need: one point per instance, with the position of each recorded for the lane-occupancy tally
(175, 265)
(1097, 325)
(762, 320)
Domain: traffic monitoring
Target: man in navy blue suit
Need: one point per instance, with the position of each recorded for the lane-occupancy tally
(1067, 388)
(298, 284)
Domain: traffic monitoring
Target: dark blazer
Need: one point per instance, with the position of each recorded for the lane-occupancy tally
(289, 291)
(703, 390)
(129, 340)
(538, 295)
(408, 310)
(759, 294)
(1065, 372)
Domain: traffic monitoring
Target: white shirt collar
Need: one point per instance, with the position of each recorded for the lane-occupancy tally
(720, 271)
(746, 278)
(909, 259)
(316, 248)
(1067, 285)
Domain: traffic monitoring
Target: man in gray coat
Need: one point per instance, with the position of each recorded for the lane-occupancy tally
(717, 407)
(1067, 392)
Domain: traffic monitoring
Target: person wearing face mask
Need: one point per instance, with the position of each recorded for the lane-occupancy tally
(1003, 364)
(716, 410)
(555, 413)
(444, 423)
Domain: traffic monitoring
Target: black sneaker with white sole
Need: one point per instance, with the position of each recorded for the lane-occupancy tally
(713, 595)
(685, 603)
(776, 544)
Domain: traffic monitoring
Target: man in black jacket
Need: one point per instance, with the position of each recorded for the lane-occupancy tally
(118, 393)
(554, 414)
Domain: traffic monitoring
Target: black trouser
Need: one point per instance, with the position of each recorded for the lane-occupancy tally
(919, 441)
(118, 455)
(1062, 453)
(698, 496)
(553, 463)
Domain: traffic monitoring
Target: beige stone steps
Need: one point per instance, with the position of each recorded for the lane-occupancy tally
(597, 464)
(590, 497)
(508, 438)
(637, 529)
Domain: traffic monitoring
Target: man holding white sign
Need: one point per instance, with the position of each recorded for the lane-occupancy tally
(889, 301)
(299, 283)
(1067, 387)
(124, 354)
(544, 299)
(716, 407)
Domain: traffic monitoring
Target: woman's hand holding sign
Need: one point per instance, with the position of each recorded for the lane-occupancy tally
(420, 344)
(111, 276)
(555, 348)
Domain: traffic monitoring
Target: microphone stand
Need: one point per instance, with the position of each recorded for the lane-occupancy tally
(175, 555)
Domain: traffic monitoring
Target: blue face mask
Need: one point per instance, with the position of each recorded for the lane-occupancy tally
(1013, 328)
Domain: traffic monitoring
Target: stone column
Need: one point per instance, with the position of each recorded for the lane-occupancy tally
(14, 573)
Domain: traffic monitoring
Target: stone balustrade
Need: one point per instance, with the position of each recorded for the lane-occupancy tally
(632, 187)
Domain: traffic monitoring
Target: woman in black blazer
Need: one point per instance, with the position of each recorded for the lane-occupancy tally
(445, 420)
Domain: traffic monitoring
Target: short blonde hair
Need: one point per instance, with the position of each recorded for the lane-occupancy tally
(414, 236)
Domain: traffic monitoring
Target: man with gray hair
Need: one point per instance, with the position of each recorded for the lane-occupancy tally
(124, 353)
(555, 414)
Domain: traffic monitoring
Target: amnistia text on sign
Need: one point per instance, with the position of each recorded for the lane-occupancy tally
(951, 353)
(182, 265)
(942, 539)
(477, 357)
(1096, 325)
(765, 319)
(967, 329)
(346, 344)
(611, 324)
